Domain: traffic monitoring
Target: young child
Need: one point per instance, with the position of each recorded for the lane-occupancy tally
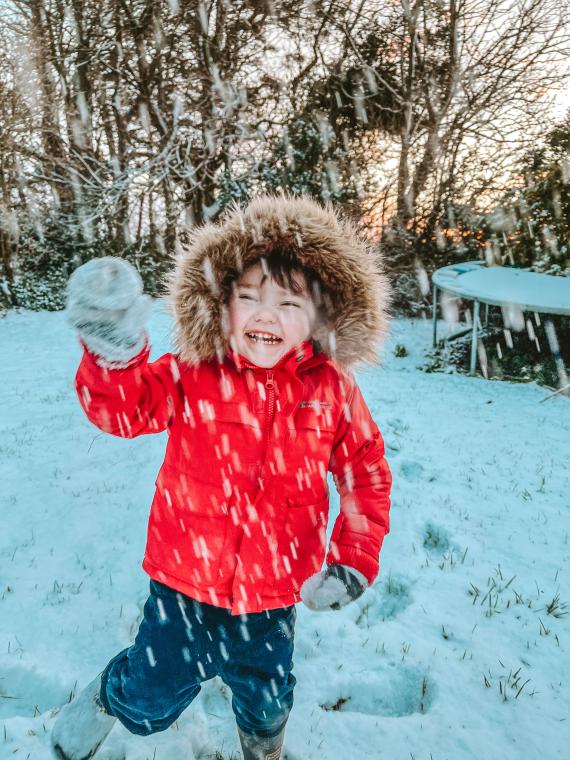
(272, 308)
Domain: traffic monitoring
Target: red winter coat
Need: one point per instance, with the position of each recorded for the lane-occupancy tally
(240, 510)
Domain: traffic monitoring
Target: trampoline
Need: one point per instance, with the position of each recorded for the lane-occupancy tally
(499, 286)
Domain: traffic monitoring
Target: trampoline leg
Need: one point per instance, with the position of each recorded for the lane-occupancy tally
(474, 337)
(434, 315)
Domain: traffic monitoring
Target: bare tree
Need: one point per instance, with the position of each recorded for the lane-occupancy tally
(137, 116)
(475, 80)
(139, 106)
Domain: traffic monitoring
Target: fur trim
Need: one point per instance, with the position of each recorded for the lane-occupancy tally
(350, 272)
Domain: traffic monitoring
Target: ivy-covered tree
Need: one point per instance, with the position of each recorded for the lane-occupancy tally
(531, 228)
(310, 159)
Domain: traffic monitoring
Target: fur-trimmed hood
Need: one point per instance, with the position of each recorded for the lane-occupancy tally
(350, 272)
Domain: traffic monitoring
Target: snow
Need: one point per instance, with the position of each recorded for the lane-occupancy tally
(416, 668)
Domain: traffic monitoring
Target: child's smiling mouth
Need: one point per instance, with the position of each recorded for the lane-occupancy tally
(263, 338)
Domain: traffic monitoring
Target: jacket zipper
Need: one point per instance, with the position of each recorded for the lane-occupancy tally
(270, 393)
(270, 390)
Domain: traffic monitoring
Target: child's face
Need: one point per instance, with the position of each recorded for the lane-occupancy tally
(265, 320)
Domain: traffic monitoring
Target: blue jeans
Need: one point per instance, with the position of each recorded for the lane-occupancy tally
(181, 643)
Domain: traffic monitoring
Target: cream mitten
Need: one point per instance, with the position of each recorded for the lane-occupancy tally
(107, 306)
(333, 588)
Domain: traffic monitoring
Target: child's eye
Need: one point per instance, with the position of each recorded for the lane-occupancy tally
(290, 303)
(246, 297)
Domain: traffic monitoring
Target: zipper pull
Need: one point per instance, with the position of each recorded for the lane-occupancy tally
(269, 384)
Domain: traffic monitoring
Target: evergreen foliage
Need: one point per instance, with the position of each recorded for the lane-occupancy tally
(531, 227)
(309, 159)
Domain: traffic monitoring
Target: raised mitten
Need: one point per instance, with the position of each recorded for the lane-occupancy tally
(106, 305)
(333, 588)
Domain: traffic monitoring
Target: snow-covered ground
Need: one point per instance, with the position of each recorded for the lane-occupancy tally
(452, 655)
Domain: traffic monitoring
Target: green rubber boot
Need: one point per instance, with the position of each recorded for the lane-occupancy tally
(259, 747)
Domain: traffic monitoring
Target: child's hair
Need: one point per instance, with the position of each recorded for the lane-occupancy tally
(281, 265)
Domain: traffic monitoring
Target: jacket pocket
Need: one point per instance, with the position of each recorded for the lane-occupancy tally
(188, 529)
(190, 548)
(310, 439)
(187, 494)
(223, 440)
(314, 416)
(301, 545)
(202, 549)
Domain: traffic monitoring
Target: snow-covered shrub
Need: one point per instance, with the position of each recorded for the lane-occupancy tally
(48, 254)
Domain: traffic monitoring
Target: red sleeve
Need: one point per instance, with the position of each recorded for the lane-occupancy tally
(140, 397)
(363, 480)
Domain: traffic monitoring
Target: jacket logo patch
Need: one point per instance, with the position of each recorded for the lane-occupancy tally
(314, 404)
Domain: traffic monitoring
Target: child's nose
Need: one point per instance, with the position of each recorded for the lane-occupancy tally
(266, 314)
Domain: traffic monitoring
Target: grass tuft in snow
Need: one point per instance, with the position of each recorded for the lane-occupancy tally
(509, 686)
(555, 607)
(336, 706)
(424, 694)
(435, 538)
(400, 350)
(493, 599)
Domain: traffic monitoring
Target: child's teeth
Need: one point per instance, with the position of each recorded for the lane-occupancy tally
(263, 338)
